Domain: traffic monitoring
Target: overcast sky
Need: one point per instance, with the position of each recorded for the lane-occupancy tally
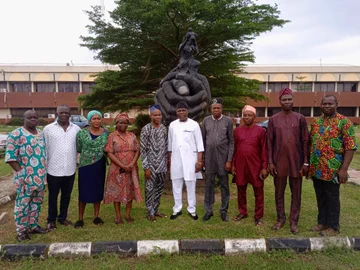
(47, 31)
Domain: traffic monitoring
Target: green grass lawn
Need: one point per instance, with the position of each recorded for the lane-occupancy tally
(334, 259)
(184, 227)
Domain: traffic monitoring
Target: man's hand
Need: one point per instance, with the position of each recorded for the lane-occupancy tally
(198, 166)
(228, 166)
(147, 173)
(304, 171)
(233, 170)
(272, 169)
(263, 174)
(342, 174)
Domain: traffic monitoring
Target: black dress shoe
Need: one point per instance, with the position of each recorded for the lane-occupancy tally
(22, 236)
(39, 230)
(194, 216)
(207, 216)
(175, 215)
(224, 217)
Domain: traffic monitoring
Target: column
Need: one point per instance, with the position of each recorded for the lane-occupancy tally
(80, 87)
(313, 87)
(312, 112)
(266, 111)
(32, 87)
(56, 87)
(357, 113)
(336, 86)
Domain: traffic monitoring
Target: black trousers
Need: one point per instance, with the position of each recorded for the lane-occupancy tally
(55, 185)
(328, 201)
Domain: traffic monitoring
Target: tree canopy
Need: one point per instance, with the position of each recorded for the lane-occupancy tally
(143, 37)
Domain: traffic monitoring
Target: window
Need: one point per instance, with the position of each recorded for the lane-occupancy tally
(301, 87)
(20, 87)
(347, 111)
(3, 87)
(272, 111)
(44, 112)
(45, 87)
(74, 111)
(324, 87)
(19, 112)
(69, 87)
(86, 87)
(305, 111)
(347, 87)
(277, 87)
(262, 88)
(260, 111)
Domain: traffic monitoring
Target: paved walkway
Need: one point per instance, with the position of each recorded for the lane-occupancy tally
(354, 176)
(7, 189)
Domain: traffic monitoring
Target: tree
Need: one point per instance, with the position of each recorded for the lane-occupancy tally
(143, 37)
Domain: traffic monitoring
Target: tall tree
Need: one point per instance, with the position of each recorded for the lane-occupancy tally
(143, 37)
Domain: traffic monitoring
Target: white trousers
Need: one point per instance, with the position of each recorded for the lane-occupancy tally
(177, 187)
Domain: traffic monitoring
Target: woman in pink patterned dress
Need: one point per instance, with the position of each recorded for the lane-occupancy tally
(122, 185)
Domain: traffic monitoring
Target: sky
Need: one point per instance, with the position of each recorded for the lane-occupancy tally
(47, 31)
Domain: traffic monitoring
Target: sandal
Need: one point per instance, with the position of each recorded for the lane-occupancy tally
(98, 221)
(161, 215)
(259, 223)
(119, 221)
(79, 224)
(239, 217)
(129, 220)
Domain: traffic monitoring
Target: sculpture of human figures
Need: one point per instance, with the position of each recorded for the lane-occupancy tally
(184, 83)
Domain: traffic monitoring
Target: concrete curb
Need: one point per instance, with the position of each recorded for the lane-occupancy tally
(202, 246)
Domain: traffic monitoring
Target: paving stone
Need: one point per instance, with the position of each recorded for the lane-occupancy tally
(4, 218)
(123, 248)
(70, 249)
(157, 247)
(320, 243)
(17, 251)
(297, 244)
(236, 246)
(202, 246)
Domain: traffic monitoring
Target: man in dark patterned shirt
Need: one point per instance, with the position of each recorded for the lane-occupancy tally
(332, 148)
(153, 151)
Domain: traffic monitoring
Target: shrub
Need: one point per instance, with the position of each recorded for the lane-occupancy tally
(141, 120)
(15, 121)
(43, 122)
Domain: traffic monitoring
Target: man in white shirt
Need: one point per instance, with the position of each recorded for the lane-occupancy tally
(60, 143)
(186, 153)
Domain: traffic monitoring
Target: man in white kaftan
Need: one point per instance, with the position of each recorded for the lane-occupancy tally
(186, 151)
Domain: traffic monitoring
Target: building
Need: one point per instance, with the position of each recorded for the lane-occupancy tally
(309, 84)
(43, 88)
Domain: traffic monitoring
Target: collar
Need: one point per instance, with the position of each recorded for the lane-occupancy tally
(216, 119)
(329, 117)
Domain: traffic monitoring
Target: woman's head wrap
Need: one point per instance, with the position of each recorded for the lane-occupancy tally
(122, 116)
(92, 113)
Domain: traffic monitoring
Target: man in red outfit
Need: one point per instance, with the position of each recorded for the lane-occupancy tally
(250, 164)
(288, 149)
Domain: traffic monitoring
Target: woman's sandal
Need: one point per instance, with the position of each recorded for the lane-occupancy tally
(129, 220)
(79, 224)
(119, 221)
(98, 221)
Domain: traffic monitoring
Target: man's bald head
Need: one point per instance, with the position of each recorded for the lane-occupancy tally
(31, 119)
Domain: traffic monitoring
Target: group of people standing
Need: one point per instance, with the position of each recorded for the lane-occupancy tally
(186, 150)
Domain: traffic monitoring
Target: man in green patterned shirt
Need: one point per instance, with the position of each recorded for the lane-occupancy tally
(332, 148)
